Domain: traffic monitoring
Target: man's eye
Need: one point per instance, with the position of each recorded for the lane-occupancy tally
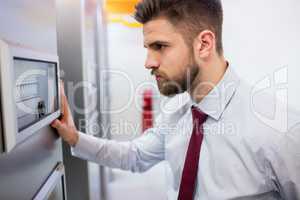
(158, 47)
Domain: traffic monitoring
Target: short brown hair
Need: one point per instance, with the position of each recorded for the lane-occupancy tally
(192, 16)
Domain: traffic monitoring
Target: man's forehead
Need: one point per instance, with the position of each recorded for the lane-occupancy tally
(156, 37)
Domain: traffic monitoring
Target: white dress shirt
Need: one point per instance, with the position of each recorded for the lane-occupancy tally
(244, 155)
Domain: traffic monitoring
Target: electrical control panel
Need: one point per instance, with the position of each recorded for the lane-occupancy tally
(29, 93)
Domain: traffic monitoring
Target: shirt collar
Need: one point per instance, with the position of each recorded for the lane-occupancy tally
(219, 97)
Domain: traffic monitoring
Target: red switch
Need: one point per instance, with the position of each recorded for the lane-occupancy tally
(147, 110)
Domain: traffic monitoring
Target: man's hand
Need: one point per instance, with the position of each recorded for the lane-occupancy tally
(65, 126)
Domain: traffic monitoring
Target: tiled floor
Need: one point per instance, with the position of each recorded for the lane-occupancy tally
(147, 186)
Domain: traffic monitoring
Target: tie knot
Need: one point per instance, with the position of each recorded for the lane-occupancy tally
(198, 115)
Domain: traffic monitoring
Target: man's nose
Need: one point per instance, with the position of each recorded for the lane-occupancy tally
(151, 63)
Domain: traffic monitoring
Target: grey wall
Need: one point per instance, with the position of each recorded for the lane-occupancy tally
(24, 170)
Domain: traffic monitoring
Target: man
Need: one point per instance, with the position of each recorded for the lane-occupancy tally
(214, 144)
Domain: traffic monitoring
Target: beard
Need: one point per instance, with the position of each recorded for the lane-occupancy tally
(169, 87)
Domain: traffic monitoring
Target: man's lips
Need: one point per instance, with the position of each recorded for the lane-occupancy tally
(158, 77)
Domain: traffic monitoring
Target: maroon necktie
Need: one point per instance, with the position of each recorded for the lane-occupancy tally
(190, 170)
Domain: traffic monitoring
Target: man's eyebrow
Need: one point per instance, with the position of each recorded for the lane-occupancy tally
(158, 42)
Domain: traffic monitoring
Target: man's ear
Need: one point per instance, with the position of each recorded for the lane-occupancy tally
(204, 44)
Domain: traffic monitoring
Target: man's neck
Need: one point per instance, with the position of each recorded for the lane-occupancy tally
(208, 77)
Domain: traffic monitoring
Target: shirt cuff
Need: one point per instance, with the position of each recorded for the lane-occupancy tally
(87, 147)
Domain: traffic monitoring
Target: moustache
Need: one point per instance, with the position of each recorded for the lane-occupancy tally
(155, 72)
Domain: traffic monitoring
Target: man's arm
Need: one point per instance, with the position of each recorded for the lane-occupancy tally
(138, 155)
(284, 165)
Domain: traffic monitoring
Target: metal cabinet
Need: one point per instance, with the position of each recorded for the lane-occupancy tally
(80, 28)
(28, 165)
(54, 187)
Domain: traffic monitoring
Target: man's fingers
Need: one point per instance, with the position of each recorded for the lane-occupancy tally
(62, 88)
(62, 97)
(56, 124)
(66, 116)
(64, 101)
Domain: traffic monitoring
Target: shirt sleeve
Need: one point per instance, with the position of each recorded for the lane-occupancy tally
(137, 156)
(284, 165)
